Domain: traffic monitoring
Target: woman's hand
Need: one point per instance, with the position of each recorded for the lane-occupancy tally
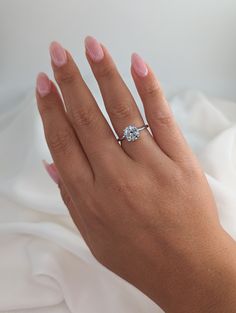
(144, 208)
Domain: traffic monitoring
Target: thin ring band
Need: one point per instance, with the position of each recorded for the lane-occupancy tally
(132, 133)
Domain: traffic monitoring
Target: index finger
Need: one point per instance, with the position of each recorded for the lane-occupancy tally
(91, 127)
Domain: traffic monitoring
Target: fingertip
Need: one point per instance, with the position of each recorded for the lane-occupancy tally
(58, 54)
(51, 170)
(43, 84)
(139, 65)
(94, 49)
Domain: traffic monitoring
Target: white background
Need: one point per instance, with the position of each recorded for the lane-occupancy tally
(189, 43)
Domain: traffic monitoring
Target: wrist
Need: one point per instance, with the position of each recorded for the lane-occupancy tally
(215, 279)
(200, 281)
(221, 295)
(211, 277)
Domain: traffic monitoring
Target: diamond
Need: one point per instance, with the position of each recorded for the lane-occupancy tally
(131, 133)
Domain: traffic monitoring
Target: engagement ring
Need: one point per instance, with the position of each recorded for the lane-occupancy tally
(132, 133)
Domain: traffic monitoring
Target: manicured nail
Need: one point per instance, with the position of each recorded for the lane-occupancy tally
(139, 65)
(43, 84)
(58, 54)
(52, 171)
(94, 49)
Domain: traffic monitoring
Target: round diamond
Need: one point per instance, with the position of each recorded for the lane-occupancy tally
(131, 133)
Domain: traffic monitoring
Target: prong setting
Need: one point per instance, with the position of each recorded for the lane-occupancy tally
(132, 133)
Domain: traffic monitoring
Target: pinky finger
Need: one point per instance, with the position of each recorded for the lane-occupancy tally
(74, 212)
(67, 199)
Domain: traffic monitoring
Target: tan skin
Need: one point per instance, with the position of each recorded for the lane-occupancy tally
(144, 208)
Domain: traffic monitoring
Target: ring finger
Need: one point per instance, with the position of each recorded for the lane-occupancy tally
(119, 102)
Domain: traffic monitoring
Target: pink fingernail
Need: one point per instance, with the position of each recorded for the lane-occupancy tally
(58, 54)
(139, 65)
(94, 49)
(52, 171)
(43, 84)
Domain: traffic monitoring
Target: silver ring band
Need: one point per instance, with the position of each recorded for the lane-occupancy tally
(132, 133)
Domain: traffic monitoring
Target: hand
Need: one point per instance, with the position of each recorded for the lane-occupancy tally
(144, 208)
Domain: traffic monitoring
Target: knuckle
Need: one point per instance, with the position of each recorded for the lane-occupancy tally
(187, 172)
(192, 170)
(152, 89)
(60, 141)
(166, 119)
(46, 109)
(120, 110)
(82, 117)
(106, 71)
(65, 77)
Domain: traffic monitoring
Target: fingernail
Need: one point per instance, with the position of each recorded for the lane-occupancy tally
(43, 84)
(139, 65)
(58, 54)
(52, 171)
(94, 49)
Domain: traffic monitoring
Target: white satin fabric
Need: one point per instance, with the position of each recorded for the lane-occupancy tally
(45, 266)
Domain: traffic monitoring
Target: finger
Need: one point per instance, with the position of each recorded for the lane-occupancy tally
(93, 131)
(119, 102)
(63, 144)
(52, 171)
(158, 113)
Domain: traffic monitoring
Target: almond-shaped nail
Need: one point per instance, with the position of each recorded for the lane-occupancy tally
(139, 65)
(58, 54)
(52, 171)
(94, 49)
(43, 84)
